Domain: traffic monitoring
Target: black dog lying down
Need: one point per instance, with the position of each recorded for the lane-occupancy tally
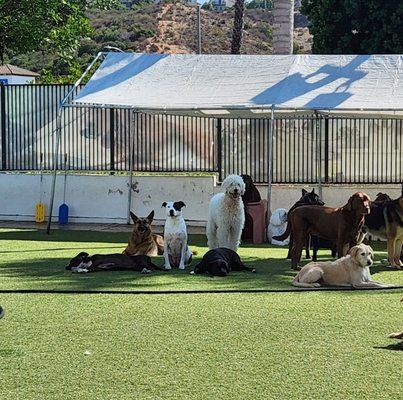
(220, 262)
(83, 263)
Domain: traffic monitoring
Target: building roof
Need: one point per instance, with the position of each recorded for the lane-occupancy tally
(9, 69)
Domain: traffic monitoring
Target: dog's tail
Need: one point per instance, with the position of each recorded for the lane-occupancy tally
(285, 234)
(297, 283)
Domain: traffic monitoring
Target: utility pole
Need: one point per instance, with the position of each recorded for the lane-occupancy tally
(198, 29)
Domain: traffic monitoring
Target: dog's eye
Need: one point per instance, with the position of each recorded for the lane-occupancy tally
(363, 254)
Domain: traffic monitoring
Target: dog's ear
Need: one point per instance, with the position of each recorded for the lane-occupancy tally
(150, 216)
(304, 192)
(134, 217)
(82, 255)
(178, 205)
(350, 202)
(354, 251)
(164, 204)
(313, 191)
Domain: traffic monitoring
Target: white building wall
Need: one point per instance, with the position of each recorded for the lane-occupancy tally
(103, 198)
(18, 80)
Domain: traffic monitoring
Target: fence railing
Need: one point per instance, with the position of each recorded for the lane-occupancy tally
(306, 149)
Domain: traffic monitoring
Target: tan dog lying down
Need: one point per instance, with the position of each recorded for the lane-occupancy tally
(351, 270)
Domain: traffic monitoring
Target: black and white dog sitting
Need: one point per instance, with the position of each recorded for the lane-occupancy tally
(83, 263)
(220, 262)
(176, 249)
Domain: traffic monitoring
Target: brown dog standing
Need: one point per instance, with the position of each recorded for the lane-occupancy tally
(142, 241)
(341, 225)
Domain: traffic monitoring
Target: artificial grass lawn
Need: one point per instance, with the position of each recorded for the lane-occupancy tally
(311, 345)
(300, 345)
(30, 259)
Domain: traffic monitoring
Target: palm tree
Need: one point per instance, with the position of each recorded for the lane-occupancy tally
(238, 27)
(283, 14)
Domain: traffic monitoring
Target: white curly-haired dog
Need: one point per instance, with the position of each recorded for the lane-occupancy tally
(277, 226)
(226, 215)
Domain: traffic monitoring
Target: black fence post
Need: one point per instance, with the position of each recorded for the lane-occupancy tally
(3, 127)
(326, 150)
(112, 139)
(219, 149)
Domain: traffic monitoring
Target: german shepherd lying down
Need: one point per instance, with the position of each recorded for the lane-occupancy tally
(84, 263)
(142, 241)
(386, 221)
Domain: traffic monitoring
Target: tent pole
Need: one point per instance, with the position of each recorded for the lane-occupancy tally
(58, 135)
(55, 162)
(319, 155)
(270, 165)
(131, 150)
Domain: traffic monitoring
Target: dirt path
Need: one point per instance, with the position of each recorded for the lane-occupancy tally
(168, 36)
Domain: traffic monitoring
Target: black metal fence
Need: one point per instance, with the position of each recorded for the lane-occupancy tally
(306, 149)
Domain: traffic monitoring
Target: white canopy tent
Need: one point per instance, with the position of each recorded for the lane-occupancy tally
(214, 84)
(242, 86)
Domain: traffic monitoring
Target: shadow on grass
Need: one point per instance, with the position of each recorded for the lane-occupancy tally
(53, 249)
(47, 271)
(394, 347)
(50, 273)
(40, 235)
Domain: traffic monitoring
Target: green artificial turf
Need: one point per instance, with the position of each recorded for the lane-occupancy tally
(312, 345)
(298, 345)
(30, 259)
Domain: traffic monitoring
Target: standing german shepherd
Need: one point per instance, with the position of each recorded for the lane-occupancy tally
(142, 241)
(386, 221)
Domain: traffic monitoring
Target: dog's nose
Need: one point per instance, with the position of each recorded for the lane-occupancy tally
(171, 213)
(369, 262)
(235, 190)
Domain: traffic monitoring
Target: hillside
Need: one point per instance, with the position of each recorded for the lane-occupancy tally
(168, 28)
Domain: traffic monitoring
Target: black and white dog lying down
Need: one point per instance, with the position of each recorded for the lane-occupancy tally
(220, 262)
(83, 263)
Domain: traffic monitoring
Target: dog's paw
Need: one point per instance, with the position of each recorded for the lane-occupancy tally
(182, 267)
(146, 271)
(192, 272)
(396, 335)
(393, 266)
(79, 270)
(254, 270)
(167, 267)
(315, 284)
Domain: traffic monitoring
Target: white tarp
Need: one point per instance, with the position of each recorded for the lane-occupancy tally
(218, 84)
